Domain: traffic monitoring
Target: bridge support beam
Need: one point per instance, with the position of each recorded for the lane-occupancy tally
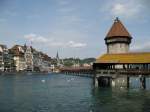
(128, 81)
(96, 82)
(121, 81)
(143, 82)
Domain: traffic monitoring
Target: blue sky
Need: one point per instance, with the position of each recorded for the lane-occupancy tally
(74, 28)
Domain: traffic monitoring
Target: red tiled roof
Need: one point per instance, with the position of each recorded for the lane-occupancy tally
(118, 29)
(15, 50)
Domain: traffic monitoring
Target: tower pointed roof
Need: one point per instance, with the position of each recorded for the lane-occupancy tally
(118, 30)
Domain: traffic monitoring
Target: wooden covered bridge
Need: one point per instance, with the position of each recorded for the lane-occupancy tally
(78, 71)
(119, 64)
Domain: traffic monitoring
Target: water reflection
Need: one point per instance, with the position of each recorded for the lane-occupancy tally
(135, 83)
(120, 100)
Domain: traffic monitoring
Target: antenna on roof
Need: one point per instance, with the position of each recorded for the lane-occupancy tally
(117, 19)
(31, 43)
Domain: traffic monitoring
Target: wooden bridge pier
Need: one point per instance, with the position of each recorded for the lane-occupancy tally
(143, 82)
(119, 78)
(128, 81)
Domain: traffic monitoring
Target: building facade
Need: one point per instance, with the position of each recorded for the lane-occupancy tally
(46, 63)
(23, 58)
(37, 60)
(3, 53)
(6, 59)
(18, 57)
(28, 58)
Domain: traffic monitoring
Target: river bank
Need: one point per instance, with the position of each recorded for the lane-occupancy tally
(19, 73)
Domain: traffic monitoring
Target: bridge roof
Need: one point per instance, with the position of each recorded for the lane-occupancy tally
(125, 58)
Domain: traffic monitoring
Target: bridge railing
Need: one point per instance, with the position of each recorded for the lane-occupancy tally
(84, 70)
(124, 71)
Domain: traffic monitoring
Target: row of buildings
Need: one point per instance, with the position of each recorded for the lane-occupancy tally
(23, 58)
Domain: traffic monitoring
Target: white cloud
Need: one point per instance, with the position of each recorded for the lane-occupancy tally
(41, 39)
(63, 2)
(36, 39)
(124, 8)
(69, 44)
(56, 44)
(118, 9)
(141, 46)
(76, 44)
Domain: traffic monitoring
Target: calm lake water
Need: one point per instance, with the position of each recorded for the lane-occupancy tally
(63, 93)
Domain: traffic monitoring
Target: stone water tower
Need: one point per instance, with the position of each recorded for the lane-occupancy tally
(118, 38)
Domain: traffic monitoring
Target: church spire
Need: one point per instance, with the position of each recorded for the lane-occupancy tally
(57, 55)
(57, 58)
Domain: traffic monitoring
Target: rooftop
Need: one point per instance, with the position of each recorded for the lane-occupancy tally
(16, 51)
(125, 58)
(118, 30)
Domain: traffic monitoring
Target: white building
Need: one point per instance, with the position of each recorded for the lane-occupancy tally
(3, 51)
(29, 58)
(19, 59)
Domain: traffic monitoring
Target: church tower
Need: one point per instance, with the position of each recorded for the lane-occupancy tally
(118, 38)
(57, 59)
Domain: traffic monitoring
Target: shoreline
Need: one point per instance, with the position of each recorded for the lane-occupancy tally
(20, 73)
